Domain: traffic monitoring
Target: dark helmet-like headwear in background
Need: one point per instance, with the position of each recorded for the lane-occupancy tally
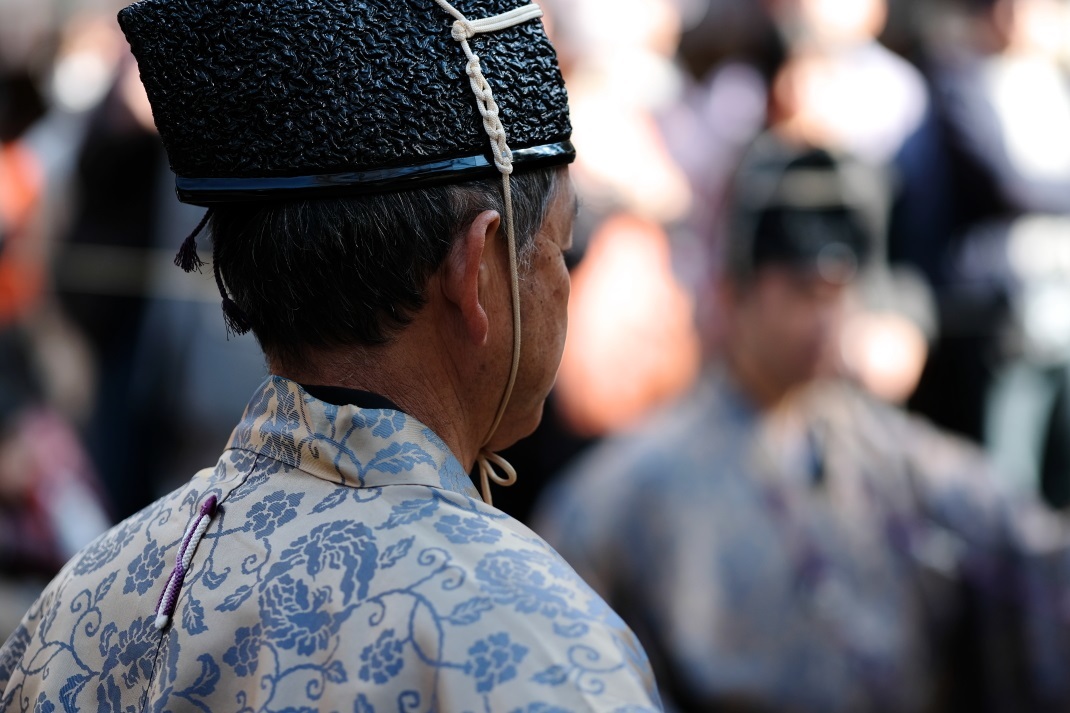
(804, 207)
(294, 99)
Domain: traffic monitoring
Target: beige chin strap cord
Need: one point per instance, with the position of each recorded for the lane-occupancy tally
(464, 30)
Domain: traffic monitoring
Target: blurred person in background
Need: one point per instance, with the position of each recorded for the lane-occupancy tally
(50, 502)
(816, 73)
(782, 540)
(687, 86)
(1002, 271)
(826, 81)
(402, 268)
(169, 380)
(839, 86)
(115, 184)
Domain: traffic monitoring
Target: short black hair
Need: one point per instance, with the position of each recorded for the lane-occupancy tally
(353, 271)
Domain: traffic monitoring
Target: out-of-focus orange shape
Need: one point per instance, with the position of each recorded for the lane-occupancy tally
(631, 343)
(22, 269)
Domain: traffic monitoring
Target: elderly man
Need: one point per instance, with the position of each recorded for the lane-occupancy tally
(388, 207)
(782, 541)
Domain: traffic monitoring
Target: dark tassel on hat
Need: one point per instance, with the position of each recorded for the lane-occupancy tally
(237, 322)
(187, 257)
(233, 315)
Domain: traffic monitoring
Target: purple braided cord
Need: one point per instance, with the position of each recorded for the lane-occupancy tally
(169, 597)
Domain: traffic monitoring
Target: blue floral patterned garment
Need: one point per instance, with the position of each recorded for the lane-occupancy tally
(349, 566)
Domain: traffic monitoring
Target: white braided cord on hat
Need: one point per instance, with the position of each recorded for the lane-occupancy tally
(463, 30)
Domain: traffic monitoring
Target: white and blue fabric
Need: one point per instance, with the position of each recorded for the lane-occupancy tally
(335, 559)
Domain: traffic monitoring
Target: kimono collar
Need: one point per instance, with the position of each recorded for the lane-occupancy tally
(341, 396)
(346, 444)
(738, 407)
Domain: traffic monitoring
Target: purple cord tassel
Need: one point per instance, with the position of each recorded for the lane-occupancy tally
(165, 607)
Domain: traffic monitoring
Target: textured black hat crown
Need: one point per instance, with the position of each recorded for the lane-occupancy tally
(258, 99)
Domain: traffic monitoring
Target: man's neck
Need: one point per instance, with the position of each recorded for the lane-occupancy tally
(425, 389)
(342, 396)
(764, 393)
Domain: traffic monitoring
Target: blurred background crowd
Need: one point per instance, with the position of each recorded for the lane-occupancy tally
(949, 119)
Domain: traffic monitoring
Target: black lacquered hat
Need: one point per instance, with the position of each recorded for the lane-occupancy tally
(301, 98)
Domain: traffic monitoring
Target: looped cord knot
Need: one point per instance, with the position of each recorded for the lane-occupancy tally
(488, 476)
(463, 30)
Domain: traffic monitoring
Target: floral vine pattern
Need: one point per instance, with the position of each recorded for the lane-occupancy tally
(350, 566)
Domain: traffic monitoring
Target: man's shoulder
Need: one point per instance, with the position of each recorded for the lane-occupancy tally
(98, 609)
(388, 590)
(425, 585)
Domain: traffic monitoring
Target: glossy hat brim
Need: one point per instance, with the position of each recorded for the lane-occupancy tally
(213, 191)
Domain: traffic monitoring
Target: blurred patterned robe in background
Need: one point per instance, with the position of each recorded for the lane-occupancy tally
(837, 555)
(348, 566)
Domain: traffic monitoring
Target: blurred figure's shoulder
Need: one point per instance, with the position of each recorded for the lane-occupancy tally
(693, 455)
(938, 463)
(673, 442)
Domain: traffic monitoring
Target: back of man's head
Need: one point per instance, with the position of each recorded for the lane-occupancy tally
(340, 272)
(342, 146)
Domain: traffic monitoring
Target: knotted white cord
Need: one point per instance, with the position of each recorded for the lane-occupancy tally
(463, 30)
(493, 24)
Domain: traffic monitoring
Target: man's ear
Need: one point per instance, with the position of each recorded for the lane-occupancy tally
(463, 269)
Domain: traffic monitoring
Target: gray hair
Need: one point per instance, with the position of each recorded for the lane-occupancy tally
(354, 270)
